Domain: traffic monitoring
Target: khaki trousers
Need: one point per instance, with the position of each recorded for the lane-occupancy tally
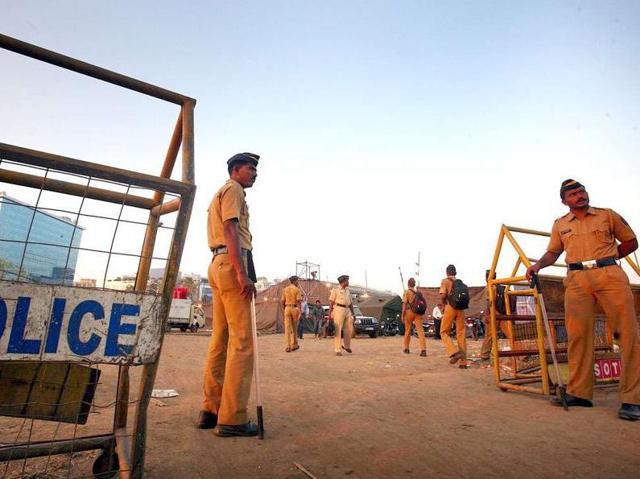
(450, 315)
(609, 287)
(291, 318)
(487, 344)
(229, 364)
(411, 318)
(343, 321)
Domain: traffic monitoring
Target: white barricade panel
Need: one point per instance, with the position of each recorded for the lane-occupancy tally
(62, 323)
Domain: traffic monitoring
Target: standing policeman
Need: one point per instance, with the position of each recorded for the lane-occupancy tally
(229, 364)
(588, 235)
(341, 311)
(291, 298)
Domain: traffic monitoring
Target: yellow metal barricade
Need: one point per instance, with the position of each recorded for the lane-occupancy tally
(521, 354)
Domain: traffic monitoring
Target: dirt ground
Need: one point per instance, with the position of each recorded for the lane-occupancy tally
(376, 413)
(380, 413)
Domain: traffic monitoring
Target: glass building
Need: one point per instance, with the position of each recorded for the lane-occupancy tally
(35, 245)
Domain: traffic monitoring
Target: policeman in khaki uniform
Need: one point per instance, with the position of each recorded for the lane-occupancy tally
(588, 236)
(229, 364)
(450, 315)
(291, 298)
(341, 311)
(412, 319)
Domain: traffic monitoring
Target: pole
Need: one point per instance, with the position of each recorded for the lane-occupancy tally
(560, 389)
(256, 372)
(401, 279)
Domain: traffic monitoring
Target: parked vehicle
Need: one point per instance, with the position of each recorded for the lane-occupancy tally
(185, 315)
(389, 327)
(361, 324)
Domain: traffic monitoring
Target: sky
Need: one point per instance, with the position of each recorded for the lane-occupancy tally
(385, 129)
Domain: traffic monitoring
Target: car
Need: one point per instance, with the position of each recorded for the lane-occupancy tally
(361, 324)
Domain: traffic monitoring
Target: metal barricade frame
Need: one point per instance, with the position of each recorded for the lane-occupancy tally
(130, 452)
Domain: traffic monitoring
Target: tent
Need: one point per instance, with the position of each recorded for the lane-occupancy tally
(270, 314)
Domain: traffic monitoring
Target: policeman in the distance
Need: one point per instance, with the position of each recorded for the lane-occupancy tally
(588, 236)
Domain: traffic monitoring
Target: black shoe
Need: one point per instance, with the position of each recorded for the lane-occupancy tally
(423, 353)
(630, 412)
(207, 420)
(347, 349)
(241, 430)
(406, 351)
(572, 401)
(463, 366)
(455, 357)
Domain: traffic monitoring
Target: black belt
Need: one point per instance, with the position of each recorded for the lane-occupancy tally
(342, 305)
(292, 305)
(251, 269)
(599, 263)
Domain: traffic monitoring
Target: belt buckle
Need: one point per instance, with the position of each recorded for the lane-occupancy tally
(590, 264)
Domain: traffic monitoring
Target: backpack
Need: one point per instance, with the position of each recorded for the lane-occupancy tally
(419, 304)
(458, 298)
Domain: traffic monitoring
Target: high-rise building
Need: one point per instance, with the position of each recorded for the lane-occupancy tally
(36, 245)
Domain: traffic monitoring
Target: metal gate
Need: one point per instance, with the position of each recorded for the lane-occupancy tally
(68, 352)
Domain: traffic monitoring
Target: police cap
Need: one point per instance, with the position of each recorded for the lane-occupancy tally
(244, 158)
(569, 185)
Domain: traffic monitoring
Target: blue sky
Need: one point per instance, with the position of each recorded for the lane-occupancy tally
(385, 128)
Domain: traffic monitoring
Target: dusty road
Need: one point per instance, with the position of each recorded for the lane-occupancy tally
(380, 413)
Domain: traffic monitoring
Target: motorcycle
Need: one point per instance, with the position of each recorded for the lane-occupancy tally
(388, 327)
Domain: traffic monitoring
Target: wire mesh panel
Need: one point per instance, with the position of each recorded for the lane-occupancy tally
(72, 315)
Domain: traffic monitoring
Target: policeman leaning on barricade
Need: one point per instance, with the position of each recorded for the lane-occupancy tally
(229, 364)
(291, 298)
(588, 236)
(341, 311)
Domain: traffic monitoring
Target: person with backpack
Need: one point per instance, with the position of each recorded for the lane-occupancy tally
(455, 296)
(413, 308)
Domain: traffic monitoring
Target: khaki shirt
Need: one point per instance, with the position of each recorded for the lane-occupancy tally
(593, 237)
(340, 295)
(228, 203)
(291, 295)
(446, 285)
(409, 296)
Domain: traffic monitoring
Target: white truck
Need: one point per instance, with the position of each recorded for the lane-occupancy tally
(185, 315)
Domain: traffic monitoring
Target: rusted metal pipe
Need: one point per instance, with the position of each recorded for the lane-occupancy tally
(49, 184)
(166, 208)
(84, 68)
(95, 170)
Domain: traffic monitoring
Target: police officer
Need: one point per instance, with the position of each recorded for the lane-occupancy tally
(229, 364)
(291, 298)
(412, 319)
(588, 236)
(450, 316)
(341, 311)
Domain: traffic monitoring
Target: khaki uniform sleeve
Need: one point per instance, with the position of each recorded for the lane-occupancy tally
(443, 286)
(555, 243)
(231, 202)
(332, 296)
(405, 297)
(621, 229)
(298, 295)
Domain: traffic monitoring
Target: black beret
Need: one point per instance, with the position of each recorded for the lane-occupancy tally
(245, 158)
(343, 277)
(569, 185)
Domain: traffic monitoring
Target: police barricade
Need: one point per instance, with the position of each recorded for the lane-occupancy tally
(70, 349)
(521, 355)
